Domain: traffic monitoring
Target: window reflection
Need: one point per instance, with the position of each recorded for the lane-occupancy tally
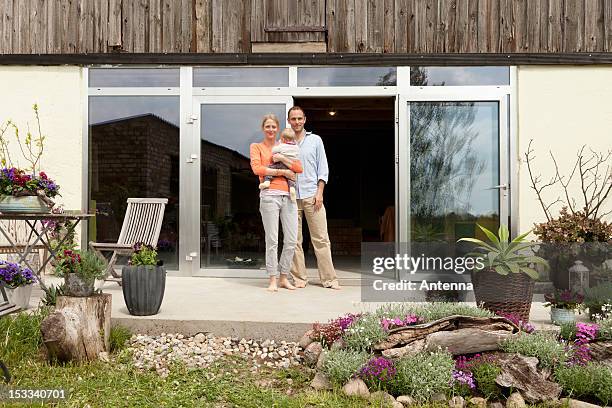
(454, 166)
(134, 77)
(243, 76)
(134, 152)
(454, 76)
(232, 234)
(347, 76)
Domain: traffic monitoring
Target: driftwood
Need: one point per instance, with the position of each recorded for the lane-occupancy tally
(467, 341)
(79, 328)
(601, 351)
(521, 373)
(487, 330)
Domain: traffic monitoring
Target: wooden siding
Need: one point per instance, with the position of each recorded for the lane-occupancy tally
(347, 26)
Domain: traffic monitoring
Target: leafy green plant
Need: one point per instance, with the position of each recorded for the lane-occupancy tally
(592, 381)
(568, 331)
(143, 255)
(423, 375)
(597, 296)
(340, 365)
(118, 338)
(542, 345)
(485, 374)
(503, 256)
(51, 294)
(364, 332)
(86, 264)
(438, 310)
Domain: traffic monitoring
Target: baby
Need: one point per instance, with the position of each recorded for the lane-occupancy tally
(288, 148)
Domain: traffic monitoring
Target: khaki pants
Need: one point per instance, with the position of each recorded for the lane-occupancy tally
(317, 224)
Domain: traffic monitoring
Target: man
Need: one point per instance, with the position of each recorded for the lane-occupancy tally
(310, 186)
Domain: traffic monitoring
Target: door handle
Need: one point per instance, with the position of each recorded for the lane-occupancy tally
(500, 187)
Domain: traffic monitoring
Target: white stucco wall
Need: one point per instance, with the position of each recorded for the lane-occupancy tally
(58, 91)
(561, 109)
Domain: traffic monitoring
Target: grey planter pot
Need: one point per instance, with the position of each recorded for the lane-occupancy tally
(11, 204)
(143, 288)
(75, 286)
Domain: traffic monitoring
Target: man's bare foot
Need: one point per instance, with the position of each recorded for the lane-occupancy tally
(300, 285)
(284, 283)
(335, 286)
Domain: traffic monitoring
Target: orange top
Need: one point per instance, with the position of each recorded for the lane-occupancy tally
(261, 157)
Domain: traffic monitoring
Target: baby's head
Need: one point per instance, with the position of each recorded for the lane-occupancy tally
(287, 136)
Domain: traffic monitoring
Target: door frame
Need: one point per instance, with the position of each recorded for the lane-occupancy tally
(440, 94)
(193, 230)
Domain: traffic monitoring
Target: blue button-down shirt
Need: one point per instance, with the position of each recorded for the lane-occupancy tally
(314, 163)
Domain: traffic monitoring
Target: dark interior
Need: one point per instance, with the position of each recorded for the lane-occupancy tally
(359, 143)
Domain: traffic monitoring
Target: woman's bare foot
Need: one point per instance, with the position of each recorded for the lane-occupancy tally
(284, 283)
(272, 285)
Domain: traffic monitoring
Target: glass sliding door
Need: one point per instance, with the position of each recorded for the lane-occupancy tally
(230, 229)
(454, 168)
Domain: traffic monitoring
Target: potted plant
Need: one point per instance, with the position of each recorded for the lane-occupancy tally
(596, 297)
(143, 281)
(24, 189)
(563, 304)
(80, 269)
(507, 280)
(18, 283)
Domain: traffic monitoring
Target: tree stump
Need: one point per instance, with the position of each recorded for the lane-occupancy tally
(79, 328)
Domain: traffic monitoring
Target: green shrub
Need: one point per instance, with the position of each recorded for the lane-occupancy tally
(20, 336)
(542, 345)
(364, 332)
(423, 375)
(568, 331)
(119, 337)
(485, 375)
(438, 310)
(591, 381)
(342, 364)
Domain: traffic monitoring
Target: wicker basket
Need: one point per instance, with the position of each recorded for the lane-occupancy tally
(510, 293)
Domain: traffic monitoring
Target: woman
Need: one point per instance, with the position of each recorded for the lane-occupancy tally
(275, 202)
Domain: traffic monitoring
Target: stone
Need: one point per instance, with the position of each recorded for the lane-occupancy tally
(396, 404)
(496, 405)
(406, 401)
(321, 361)
(438, 397)
(356, 386)
(456, 402)
(306, 339)
(266, 343)
(515, 400)
(572, 403)
(383, 397)
(477, 402)
(320, 382)
(311, 353)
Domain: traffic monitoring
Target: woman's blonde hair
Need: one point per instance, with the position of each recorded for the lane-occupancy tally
(270, 116)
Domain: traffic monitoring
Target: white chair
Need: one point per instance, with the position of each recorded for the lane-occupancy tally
(142, 223)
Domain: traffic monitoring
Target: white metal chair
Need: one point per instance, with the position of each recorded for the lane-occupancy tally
(142, 223)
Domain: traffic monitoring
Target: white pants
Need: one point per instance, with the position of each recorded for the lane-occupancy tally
(271, 208)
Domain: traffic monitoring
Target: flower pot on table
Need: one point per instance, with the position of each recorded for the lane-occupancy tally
(20, 295)
(510, 293)
(561, 316)
(23, 204)
(143, 288)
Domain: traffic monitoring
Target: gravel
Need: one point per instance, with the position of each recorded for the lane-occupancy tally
(158, 352)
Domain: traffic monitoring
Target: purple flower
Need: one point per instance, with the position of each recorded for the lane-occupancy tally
(523, 326)
(392, 323)
(13, 275)
(377, 371)
(463, 378)
(581, 352)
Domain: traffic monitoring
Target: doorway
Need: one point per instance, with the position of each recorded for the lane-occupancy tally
(359, 139)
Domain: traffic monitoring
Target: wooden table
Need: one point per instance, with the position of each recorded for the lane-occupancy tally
(38, 234)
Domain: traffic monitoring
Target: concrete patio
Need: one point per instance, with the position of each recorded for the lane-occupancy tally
(242, 307)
